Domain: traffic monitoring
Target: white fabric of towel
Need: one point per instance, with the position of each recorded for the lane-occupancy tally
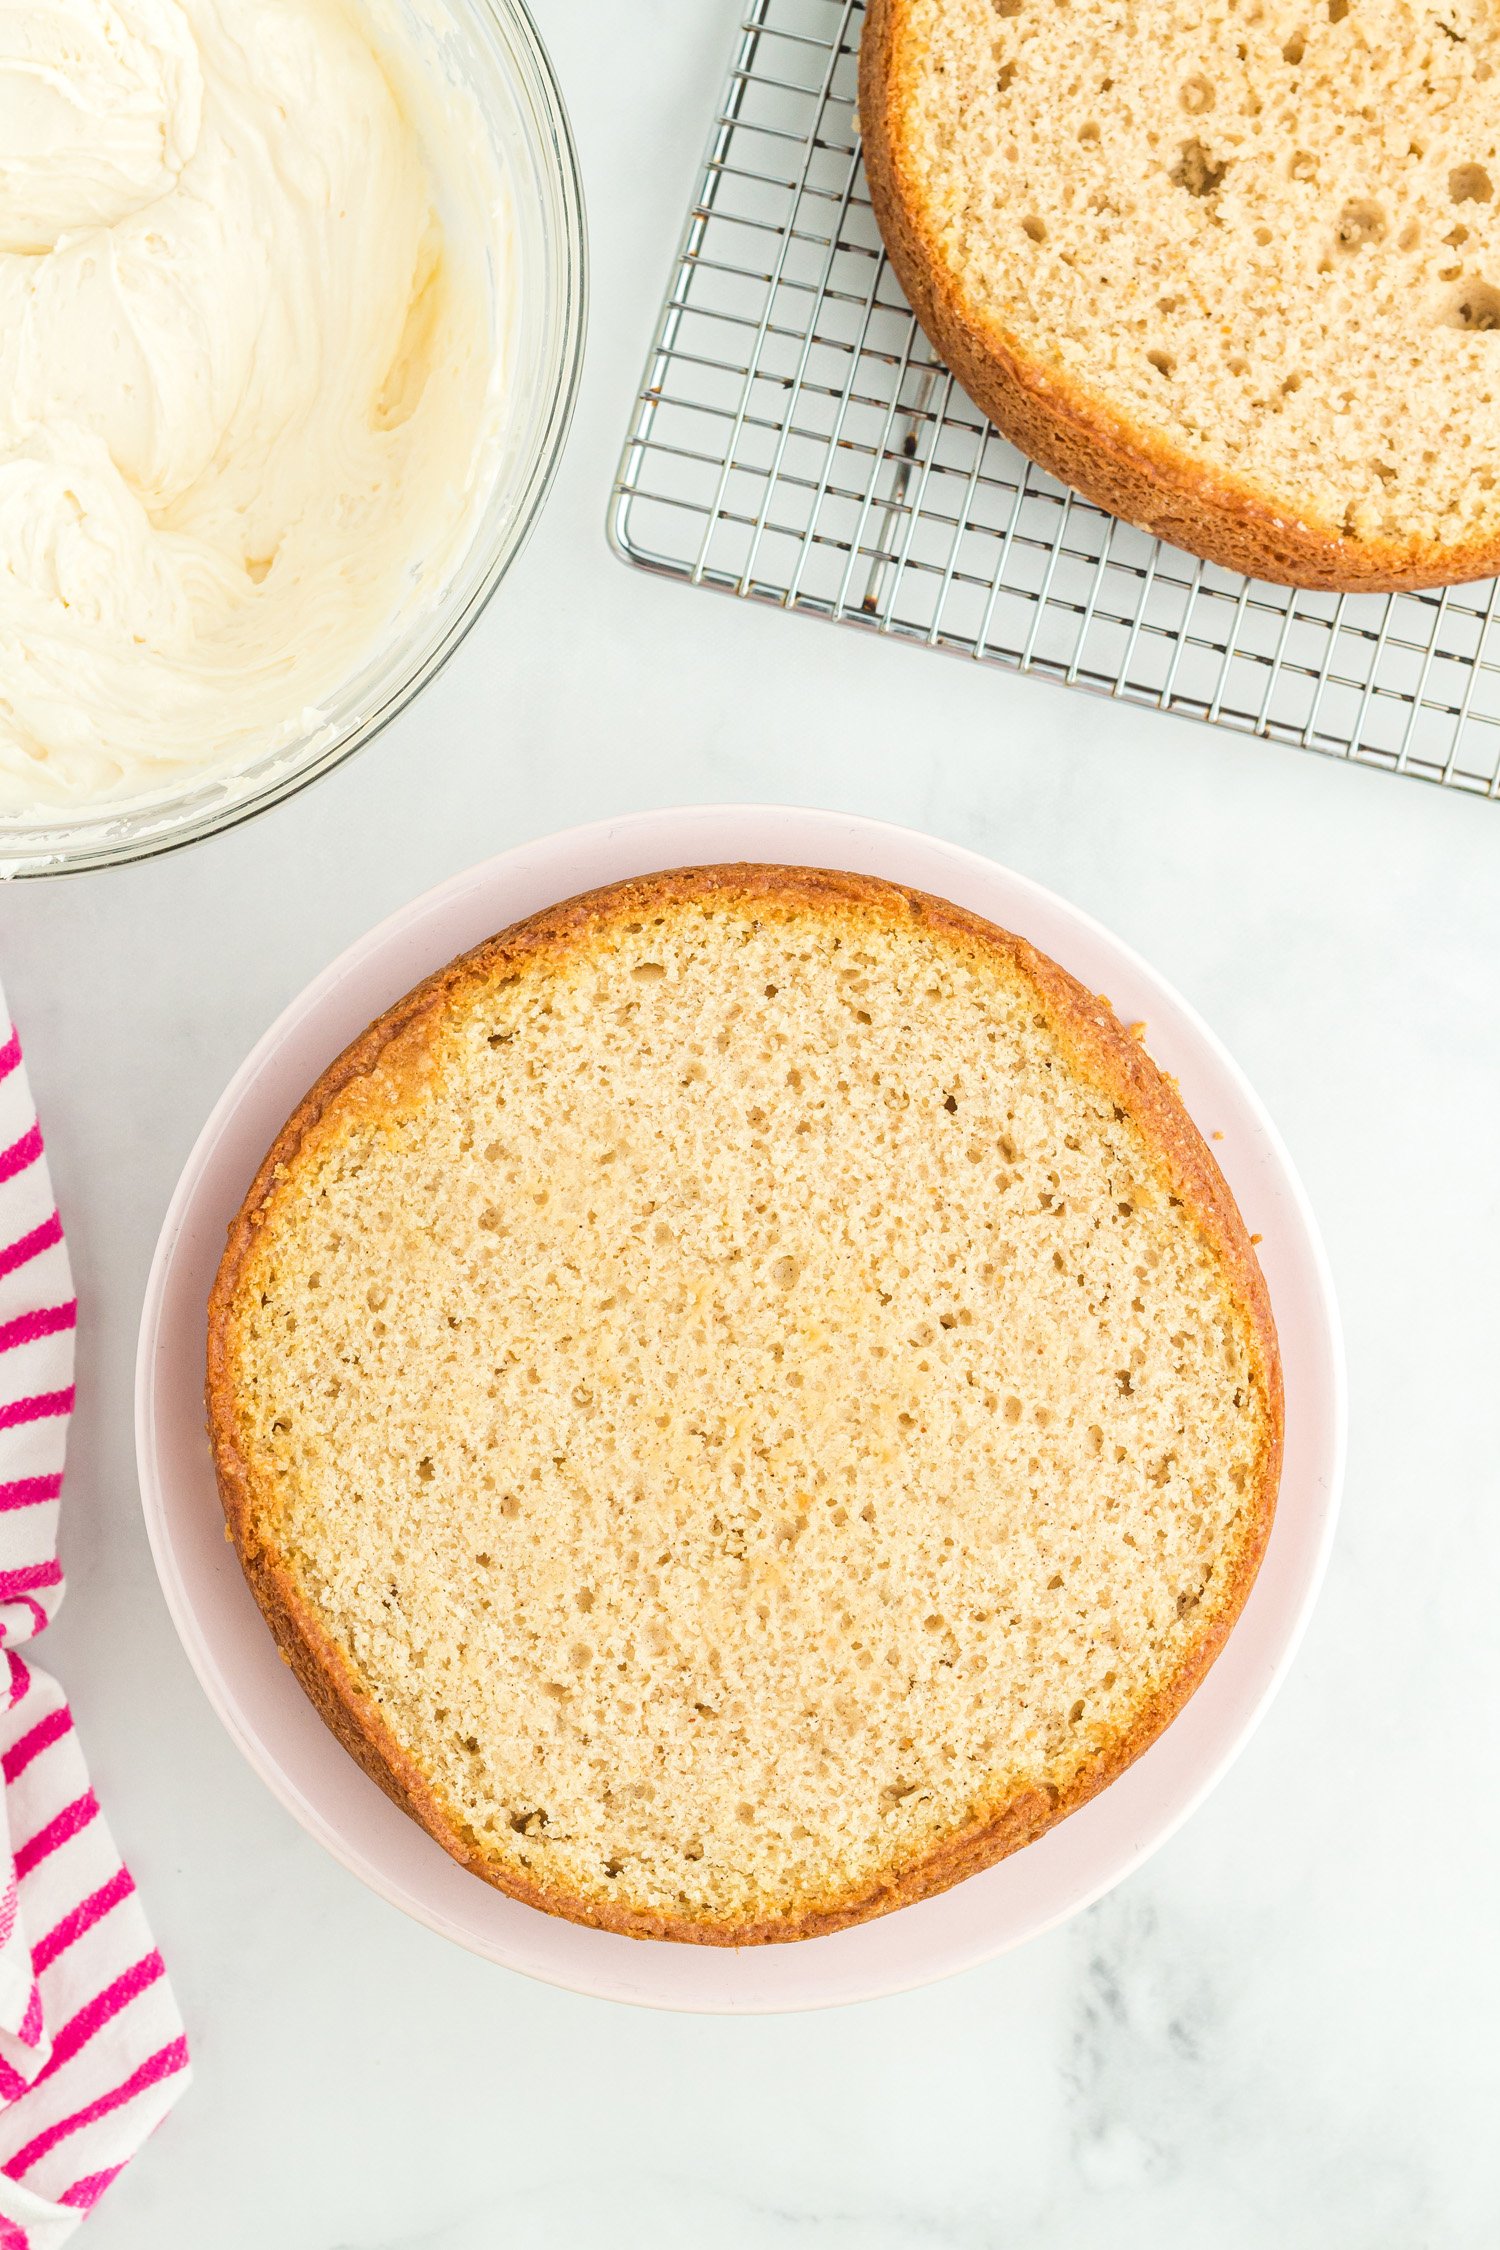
(92, 2053)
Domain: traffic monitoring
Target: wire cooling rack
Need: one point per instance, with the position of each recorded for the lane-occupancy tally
(795, 441)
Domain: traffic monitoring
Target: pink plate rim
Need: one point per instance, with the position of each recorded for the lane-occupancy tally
(276, 1728)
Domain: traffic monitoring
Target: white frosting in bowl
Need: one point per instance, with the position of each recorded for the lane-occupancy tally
(248, 374)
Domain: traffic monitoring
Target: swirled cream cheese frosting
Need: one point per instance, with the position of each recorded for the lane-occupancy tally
(248, 374)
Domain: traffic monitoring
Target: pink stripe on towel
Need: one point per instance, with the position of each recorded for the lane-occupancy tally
(82, 1919)
(29, 1492)
(165, 2063)
(39, 1738)
(57, 1832)
(30, 1578)
(39, 1618)
(102, 2009)
(21, 1154)
(28, 1246)
(42, 1406)
(31, 2023)
(30, 1327)
(85, 2193)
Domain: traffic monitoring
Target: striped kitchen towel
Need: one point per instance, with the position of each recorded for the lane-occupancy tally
(91, 2047)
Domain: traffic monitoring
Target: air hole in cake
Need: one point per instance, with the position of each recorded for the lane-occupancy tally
(1295, 48)
(896, 1793)
(1361, 223)
(1470, 183)
(1196, 170)
(1004, 76)
(1303, 165)
(1476, 306)
(1337, 10)
(1163, 362)
(1035, 228)
(1088, 132)
(1197, 94)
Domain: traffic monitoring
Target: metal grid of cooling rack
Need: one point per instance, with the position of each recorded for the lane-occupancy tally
(795, 441)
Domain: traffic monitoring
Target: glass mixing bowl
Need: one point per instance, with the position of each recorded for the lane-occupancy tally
(492, 48)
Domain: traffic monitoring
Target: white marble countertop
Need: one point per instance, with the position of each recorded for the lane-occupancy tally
(1280, 2034)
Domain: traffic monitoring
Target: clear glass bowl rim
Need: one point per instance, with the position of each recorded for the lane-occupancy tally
(107, 836)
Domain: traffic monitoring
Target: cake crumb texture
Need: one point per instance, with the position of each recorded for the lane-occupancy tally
(743, 1400)
(1232, 266)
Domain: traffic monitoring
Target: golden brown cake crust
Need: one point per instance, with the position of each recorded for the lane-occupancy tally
(1074, 435)
(389, 1058)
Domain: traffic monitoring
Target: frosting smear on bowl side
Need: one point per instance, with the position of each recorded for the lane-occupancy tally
(247, 375)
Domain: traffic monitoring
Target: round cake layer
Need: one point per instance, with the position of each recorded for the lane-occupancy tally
(744, 1399)
(1231, 269)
